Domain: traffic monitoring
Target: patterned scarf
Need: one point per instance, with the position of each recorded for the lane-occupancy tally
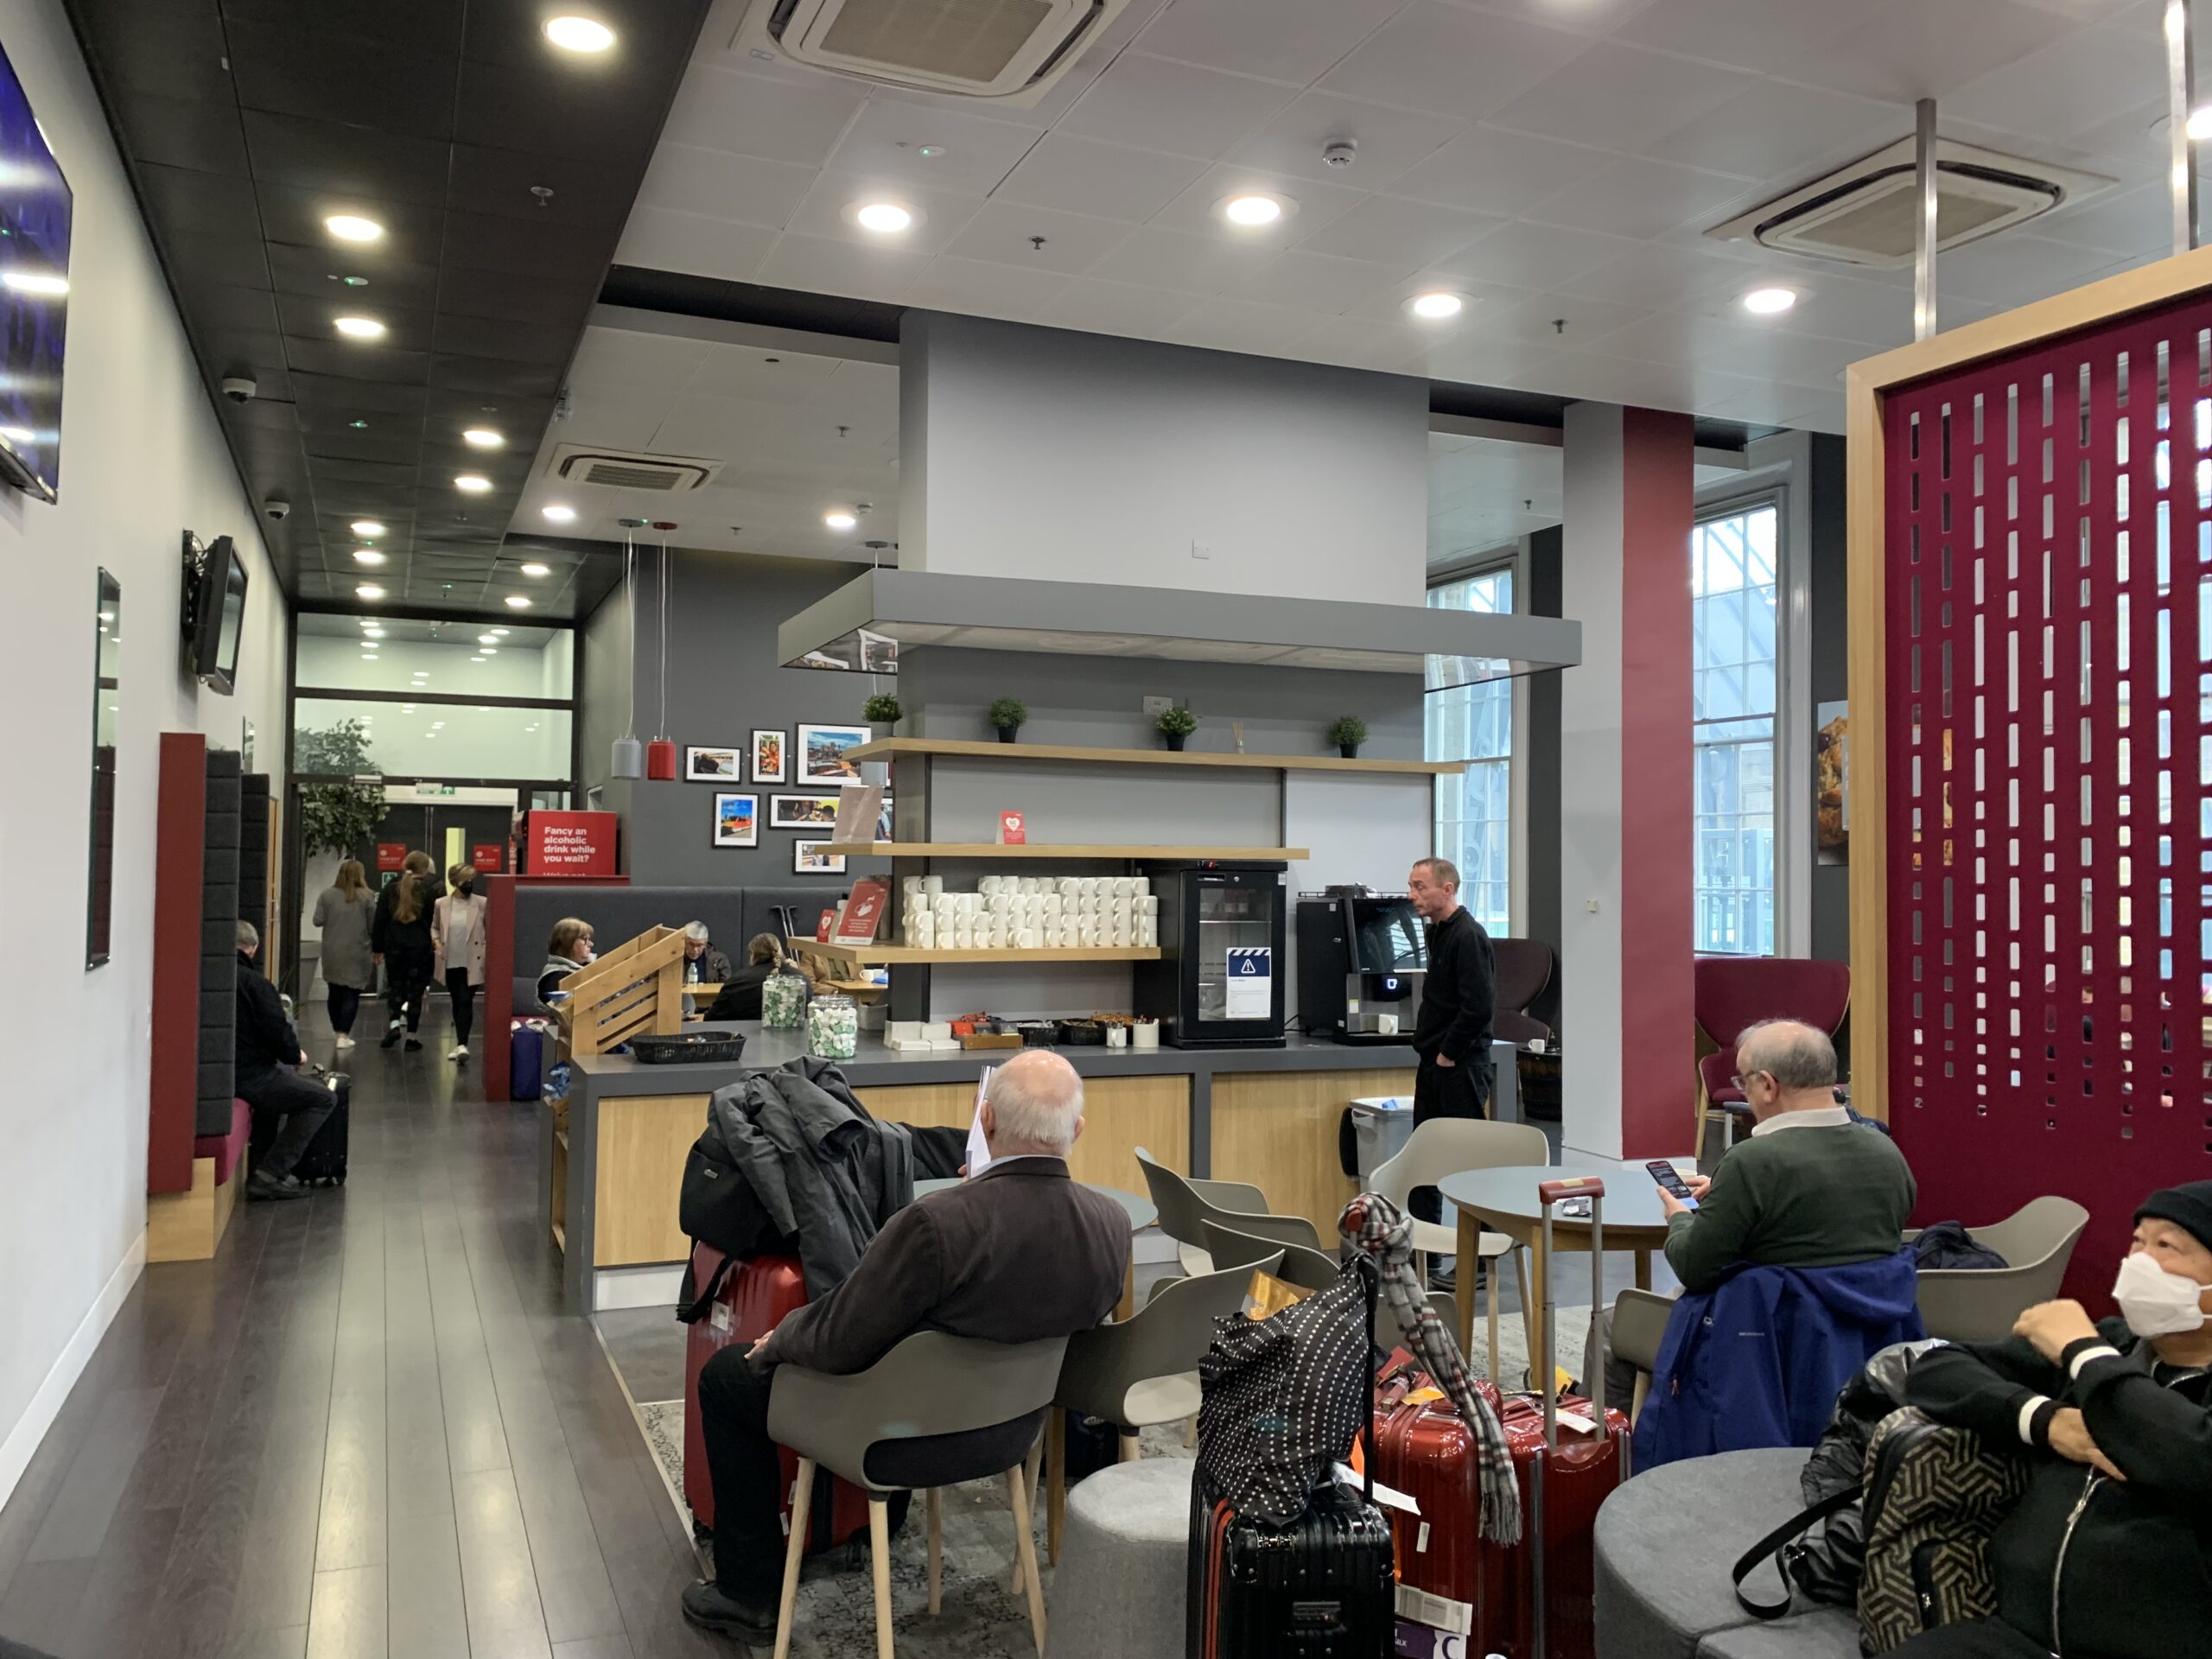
(1375, 1226)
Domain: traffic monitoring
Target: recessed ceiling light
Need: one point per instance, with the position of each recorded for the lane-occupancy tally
(483, 437)
(473, 483)
(487, 638)
(406, 708)
(518, 601)
(359, 328)
(42, 283)
(534, 568)
(19, 434)
(359, 426)
(370, 590)
(368, 656)
(371, 634)
(367, 555)
(839, 518)
(579, 34)
(476, 659)
(488, 651)
(501, 633)
(1436, 305)
(881, 217)
(367, 527)
(1250, 209)
(556, 513)
(2200, 123)
(1769, 301)
(352, 227)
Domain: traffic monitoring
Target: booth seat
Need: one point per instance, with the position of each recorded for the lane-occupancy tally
(186, 1226)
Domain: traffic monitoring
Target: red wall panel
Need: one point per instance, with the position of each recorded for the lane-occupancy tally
(172, 1077)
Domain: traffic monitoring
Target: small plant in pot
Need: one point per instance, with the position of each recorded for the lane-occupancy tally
(1177, 724)
(1347, 734)
(1007, 715)
(881, 711)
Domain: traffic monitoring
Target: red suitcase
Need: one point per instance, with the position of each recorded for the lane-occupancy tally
(752, 1299)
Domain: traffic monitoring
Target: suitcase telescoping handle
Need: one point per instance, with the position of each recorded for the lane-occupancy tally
(1549, 1193)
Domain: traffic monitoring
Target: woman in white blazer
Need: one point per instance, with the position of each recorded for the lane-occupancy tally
(457, 935)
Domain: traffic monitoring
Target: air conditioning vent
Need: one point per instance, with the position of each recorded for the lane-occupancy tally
(1865, 214)
(1009, 51)
(615, 469)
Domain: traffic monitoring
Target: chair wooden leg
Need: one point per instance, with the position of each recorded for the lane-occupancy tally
(1056, 1502)
(1527, 1314)
(802, 1501)
(879, 1550)
(936, 1549)
(1024, 1545)
(1492, 1276)
(1189, 1432)
(1032, 1469)
(1132, 1448)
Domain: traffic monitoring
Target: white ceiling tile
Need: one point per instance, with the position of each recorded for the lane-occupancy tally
(1666, 278)
(1931, 48)
(1437, 57)
(1118, 308)
(1621, 96)
(2144, 16)
(1774, 36)
(985, 288)
(2016, 268)
(1638, 197)
(822, 213)
(1316, 205)
(2128, 221)
(1318, 282)
(1525, 255)
(1196, 264)
(1390, 231)
(2067, 86)
(617, 357)
(1770, 130)
(1173, 106)
(1492, 171)
(745, 189)
(692, 244)
(1082, 176)
(753, 115)
(1224, 325)
(886, 141)
(1389, 140)
(1483, 301)
(1535, 320)
(1367, 343)
(1584, 16)
(1872, 310)
(1072, 242)
(1294, 41)
(1746, 348)
(753, 374)
(821, 264)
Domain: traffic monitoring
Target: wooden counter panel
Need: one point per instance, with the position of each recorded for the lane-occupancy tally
(1278, 1130)
(1120, 1114)
(643, 1142)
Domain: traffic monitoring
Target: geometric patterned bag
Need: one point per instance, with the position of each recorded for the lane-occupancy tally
(1934, 1495)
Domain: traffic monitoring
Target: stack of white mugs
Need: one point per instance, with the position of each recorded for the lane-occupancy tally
(1031, 912)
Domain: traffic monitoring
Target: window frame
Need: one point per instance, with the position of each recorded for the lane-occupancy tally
(1510, 561)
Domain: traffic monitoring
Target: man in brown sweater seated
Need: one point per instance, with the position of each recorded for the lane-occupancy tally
(1017, 1252)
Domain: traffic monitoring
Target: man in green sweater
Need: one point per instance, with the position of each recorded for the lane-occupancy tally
(1808, 1188)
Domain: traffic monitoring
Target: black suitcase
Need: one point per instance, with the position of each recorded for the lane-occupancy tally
(323, 1163)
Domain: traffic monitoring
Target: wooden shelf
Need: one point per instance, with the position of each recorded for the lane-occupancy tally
(990, 849)
(893, 956)
(889, 747)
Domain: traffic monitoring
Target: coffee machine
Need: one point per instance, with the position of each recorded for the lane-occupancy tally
(1363, 957)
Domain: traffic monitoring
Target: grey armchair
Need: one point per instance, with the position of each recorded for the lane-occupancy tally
(935, 1411)
(1185, 1203)
(1981, 1304)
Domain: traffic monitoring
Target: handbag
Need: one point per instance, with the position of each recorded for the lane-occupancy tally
(1934, 1496)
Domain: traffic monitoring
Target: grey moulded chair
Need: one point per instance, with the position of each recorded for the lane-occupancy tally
(1981, 1304)
(934, 1412)
(1303, 1265)
(1185, 1204)
(1639, 1325)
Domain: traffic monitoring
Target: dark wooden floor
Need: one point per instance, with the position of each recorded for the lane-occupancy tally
(368, 1427)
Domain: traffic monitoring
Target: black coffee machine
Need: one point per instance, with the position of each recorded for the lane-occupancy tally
(1363, 957)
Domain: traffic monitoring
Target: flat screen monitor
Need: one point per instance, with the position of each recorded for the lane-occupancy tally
(35, 212)
(219, 616)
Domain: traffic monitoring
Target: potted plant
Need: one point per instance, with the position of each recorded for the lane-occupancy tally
(882, 712)
(1007, 715)
(1175, 725)
(1347, 734)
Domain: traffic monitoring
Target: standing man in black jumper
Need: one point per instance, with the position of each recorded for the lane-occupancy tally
(1452, 1034)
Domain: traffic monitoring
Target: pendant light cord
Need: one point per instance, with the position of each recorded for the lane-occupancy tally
(629, 582)
(667, 581)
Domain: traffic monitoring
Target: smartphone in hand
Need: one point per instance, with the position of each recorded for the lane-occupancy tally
(1665, 1175)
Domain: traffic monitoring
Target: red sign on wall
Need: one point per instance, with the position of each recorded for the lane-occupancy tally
(489, 857)
(569, 844)
(390, 854)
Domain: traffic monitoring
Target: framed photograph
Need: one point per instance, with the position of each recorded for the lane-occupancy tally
(822, 751)
(802, 811)
(807, 859)
(768, 749)
(714, 765)
(737, 820)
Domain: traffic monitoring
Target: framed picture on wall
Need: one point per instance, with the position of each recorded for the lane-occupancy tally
(822, 752)
(808, 859)
(714, 765)
(737, 820)
(769, 758)
(802, 812)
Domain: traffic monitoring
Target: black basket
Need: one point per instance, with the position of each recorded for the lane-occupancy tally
(1076, 1032)
(1037, 1033)
(690, 1048)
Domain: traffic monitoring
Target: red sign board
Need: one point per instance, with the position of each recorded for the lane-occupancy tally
(490, 857)
(390, 854)
(863, 910)
(569, 844)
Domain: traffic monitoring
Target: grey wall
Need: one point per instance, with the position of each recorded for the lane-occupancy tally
(1830, 669)
(1037, 451)
(602, 702)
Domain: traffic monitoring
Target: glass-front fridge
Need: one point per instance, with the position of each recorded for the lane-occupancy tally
(1219, 980)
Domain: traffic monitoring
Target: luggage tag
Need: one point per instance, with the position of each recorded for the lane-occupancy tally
(719, 1322)
(1388, 1496)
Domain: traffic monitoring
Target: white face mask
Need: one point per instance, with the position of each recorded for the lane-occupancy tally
(2157, 1303)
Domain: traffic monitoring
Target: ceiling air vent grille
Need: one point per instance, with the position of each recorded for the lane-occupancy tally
(616, 469)
(1006, 50)
(1865, 214)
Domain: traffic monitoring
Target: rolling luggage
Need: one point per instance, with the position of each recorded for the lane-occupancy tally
(735, 1303)
(1425, 1449)
(323, 1163)
(526, 1060)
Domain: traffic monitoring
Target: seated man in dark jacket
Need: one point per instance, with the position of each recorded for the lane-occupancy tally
(266, 1048)
(1016, 1254)
(2110, 1553)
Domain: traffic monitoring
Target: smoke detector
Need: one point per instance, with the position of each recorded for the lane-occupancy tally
(1866, 213)
(1007, 51)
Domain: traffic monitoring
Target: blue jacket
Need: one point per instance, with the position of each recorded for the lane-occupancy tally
(1759, 1360)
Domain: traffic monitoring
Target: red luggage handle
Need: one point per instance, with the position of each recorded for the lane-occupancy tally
(1573, 1186)
(1549, 1193)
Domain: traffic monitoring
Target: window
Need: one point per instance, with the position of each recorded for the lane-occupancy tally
(1733, 566)
(1474, 723)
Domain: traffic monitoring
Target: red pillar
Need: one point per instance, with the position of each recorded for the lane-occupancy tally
(180, 845)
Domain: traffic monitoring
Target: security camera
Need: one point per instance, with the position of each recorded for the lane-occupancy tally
(277, 507)
(239, 388)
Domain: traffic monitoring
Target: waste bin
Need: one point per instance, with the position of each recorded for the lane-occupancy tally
(1381, 1126)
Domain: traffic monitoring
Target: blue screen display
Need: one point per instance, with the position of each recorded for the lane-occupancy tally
(34, 290)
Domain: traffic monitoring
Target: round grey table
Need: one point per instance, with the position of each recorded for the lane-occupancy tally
(1504, 1201)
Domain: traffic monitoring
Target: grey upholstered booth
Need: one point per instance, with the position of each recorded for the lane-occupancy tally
(1665, 1543)
(733, 915)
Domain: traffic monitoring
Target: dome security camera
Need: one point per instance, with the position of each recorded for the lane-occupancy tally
(277, 507)
(239, 388)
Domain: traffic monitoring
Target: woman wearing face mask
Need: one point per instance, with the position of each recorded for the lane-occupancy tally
(457, 928)
(2107, 1554)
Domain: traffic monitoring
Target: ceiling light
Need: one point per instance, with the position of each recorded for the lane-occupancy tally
(367, 555)
(2200, 123)
(1250, 209)
(367, 527)
(883, 218)
(1769, 301)
(488, 651)
(839, 518)
(370, 590)
(19, 434)
(359, 328)
(371, 634)
(556, 513)
(519, 602)
(368, 656)
(488, 639)
(579, 34)
(476, 659)
(406, 708)
(43, 282)
(502, 632)
(437, 725)
(1435, 305)
(352, 227)
(483, 437)
(534, 568)
(473, 483)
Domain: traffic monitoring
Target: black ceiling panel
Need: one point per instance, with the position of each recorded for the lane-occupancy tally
(501, 170)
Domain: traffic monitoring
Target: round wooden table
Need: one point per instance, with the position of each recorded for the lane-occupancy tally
(1504, 1201)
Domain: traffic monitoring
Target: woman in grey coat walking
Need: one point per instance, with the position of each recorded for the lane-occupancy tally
(344, 913)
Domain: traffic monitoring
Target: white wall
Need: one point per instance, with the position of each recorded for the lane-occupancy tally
(1036, 452)
(142, 458)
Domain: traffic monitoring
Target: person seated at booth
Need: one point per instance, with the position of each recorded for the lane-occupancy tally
(2110, 1552)
(1018, 1252)
(569, 949)
(741, 992)
(266, 1048)
(702, 963)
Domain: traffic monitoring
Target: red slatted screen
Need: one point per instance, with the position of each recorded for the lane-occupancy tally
(2050, 600)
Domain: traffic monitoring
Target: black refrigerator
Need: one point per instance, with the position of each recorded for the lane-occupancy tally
(1219, 980)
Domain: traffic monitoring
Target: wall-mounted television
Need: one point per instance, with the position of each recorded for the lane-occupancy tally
(214, 610)
(35, 212)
